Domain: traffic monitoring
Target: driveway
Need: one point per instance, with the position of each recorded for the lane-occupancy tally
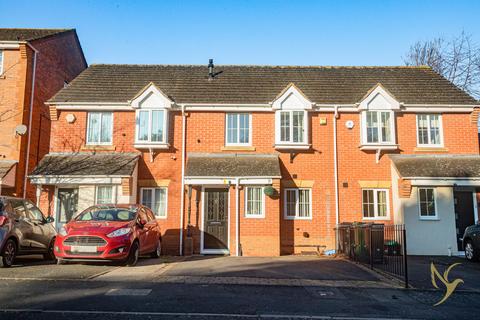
(420, 275)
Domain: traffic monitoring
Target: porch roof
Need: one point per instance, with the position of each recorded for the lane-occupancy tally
(437, 166)
(215, 165)
(5, 167)
(87, 164)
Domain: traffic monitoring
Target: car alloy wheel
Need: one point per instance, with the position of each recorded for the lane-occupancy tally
(469, 253)
(9, 252)
(133, 255)
(158, 250)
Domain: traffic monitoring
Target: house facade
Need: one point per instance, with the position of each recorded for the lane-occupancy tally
(263, 160)
(34, 65)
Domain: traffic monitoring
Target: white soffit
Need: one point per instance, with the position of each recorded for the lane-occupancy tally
(151, 97)
(379, 99)
(292, 98)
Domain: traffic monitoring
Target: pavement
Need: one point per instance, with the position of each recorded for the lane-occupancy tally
(217, 287)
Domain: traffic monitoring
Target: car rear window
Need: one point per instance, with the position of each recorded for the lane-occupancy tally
(107, 214)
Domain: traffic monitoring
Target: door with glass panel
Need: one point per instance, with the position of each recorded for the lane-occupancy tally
(67, 202)
(215, 221)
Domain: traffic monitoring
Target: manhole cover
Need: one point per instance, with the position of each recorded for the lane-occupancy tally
(128, 292)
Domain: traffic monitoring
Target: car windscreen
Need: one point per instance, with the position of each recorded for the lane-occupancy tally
(107, 214)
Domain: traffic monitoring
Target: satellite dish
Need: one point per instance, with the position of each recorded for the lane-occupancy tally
(21, 129)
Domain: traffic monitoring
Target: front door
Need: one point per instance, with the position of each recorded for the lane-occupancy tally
(66, 205)
(464, 215)
(215, 221)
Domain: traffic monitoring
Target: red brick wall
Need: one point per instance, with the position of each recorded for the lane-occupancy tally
(273, 234)
(59, 59)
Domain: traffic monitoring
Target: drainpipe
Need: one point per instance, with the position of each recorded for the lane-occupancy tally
(237, 217)
(335, 165)
(32, 95)
(182, 194)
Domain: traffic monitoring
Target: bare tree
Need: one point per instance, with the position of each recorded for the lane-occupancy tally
(457, 59)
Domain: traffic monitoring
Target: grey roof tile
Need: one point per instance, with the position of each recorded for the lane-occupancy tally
(436, 166)
(260, 84)
(18, 34)
(86, 164)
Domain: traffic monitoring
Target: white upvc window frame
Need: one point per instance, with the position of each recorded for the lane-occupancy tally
(440, 128)
(2, 59)
(152, 189)
(113, 197)
(420, 216)
(98, 143)
(297, 204)
(393, 137)
(375, 204)
(262, 207)
(249, 143)
(149, 129)
(278, 127)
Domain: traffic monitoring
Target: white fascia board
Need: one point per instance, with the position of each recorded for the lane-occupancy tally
(10, 44)
(435, 108)
(227, 181)
(88, 180)
(228, 107)
(471, 182)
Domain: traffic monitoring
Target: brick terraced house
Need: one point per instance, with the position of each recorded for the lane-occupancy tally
(34, 65)
(266, 160)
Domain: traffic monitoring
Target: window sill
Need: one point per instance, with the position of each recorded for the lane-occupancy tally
(297, 218)
(238, 148)
(430, 149)
(378, 147)
(376, 219)
(254, 216)
(138, 145)
(293, 146)
(97, 147)
(429, 219)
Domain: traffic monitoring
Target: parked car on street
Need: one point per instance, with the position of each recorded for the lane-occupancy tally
(471, 242)
(118, 233)
(24, 230)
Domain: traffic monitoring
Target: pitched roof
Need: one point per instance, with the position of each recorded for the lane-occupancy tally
(5, 167)
(86, 164)
(437, 166)
(232, 165)
(260, 84)
(16, 34)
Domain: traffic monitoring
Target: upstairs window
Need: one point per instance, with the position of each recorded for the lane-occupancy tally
(378, 128)
(151, 126)
(99, 128)
(238, 129)
(429, 130)
(292, 126)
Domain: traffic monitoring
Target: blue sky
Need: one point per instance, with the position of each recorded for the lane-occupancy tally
(248, 32)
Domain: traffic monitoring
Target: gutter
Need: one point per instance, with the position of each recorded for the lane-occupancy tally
(237, 217)
(32, 96)
(182, 194)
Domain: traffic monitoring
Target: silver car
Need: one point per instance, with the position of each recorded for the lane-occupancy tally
(24, 230)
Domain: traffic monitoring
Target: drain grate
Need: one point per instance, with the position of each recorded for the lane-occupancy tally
(128, 292)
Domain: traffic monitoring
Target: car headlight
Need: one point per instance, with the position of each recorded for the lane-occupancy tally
(119, 232)
(63, 232)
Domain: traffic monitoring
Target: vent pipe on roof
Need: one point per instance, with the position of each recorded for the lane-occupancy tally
(211, 74)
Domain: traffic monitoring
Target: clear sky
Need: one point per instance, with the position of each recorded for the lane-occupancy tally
(248, 32)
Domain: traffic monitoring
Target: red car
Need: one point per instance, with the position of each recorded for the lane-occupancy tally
(109, 233)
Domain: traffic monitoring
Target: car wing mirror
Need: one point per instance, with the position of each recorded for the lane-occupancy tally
(49, 219)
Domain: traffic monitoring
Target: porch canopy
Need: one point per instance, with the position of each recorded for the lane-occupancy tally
(221, 168)
(7, 174)
(446, 170)
(84, 168)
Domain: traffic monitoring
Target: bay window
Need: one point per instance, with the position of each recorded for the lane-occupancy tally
(291, 127)
(378, 127)
(151, 126)
(238, 129)
(375, 204)
(99, 128)
(429, 130)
